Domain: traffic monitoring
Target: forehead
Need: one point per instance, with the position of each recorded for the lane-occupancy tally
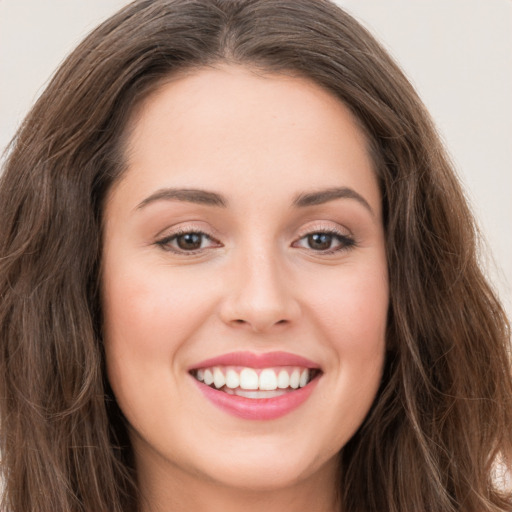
(229, 125)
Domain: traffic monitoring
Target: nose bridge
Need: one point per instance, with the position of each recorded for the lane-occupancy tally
(260, 297)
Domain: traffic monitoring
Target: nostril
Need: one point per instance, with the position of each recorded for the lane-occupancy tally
(239, 321)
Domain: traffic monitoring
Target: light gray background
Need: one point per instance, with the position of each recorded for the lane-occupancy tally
(457, 53)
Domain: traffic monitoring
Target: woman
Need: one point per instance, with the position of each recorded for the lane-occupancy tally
(237, 271)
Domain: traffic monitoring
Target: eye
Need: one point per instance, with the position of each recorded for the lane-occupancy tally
(326, 242)
(187, 242)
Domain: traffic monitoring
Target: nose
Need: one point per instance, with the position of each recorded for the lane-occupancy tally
(260, 294)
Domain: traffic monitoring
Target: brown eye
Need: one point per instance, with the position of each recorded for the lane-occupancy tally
(189, 241)
(320, 241)
(325, 242)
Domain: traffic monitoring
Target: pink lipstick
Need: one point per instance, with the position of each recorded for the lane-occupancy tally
(256, 386)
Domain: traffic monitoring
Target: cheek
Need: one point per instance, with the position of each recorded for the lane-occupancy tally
(147, 311)
(147, 319)
(352, 305)
(346, 309)
(150, 314)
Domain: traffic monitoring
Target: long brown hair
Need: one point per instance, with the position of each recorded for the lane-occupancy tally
(443, 414)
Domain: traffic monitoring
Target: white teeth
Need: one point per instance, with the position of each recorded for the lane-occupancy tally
(232, 379)
(208, 377)
(248, 379)
(283, 380)
(268, 380)
(304, 378)
(294, 379)
(218, 378)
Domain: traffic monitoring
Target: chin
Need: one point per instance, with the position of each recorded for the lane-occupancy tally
(269, 466)
(263, 475)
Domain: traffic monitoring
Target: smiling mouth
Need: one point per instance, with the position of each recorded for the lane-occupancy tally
(256, 383)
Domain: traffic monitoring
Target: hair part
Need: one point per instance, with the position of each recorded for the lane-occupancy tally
(443, 413)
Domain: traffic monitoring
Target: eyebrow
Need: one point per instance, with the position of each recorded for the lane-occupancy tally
(190, 195)
(204, 197)
(330, 194)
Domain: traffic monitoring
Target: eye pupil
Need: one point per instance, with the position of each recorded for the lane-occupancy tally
(189, 241)
(320, 241)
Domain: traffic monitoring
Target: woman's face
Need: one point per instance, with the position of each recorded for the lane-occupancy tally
(244, 244)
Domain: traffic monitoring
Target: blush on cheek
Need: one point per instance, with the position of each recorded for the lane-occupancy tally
(356, 309)
(142, 314)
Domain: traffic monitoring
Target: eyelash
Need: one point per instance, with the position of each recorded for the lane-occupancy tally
(165, 242)
(346, 242)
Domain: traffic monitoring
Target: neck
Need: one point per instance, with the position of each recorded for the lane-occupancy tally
(166, 488)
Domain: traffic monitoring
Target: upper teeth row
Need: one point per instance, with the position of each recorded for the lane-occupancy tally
(248, 378)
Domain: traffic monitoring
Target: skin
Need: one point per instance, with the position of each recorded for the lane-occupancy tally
(256, 283)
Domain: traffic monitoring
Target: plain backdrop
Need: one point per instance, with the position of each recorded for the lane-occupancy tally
(457, 53)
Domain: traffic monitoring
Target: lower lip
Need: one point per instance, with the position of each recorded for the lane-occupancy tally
(257, 408)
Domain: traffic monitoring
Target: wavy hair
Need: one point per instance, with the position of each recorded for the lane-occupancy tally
(443, 414)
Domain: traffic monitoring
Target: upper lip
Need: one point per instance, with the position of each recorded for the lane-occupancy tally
(253, 360)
